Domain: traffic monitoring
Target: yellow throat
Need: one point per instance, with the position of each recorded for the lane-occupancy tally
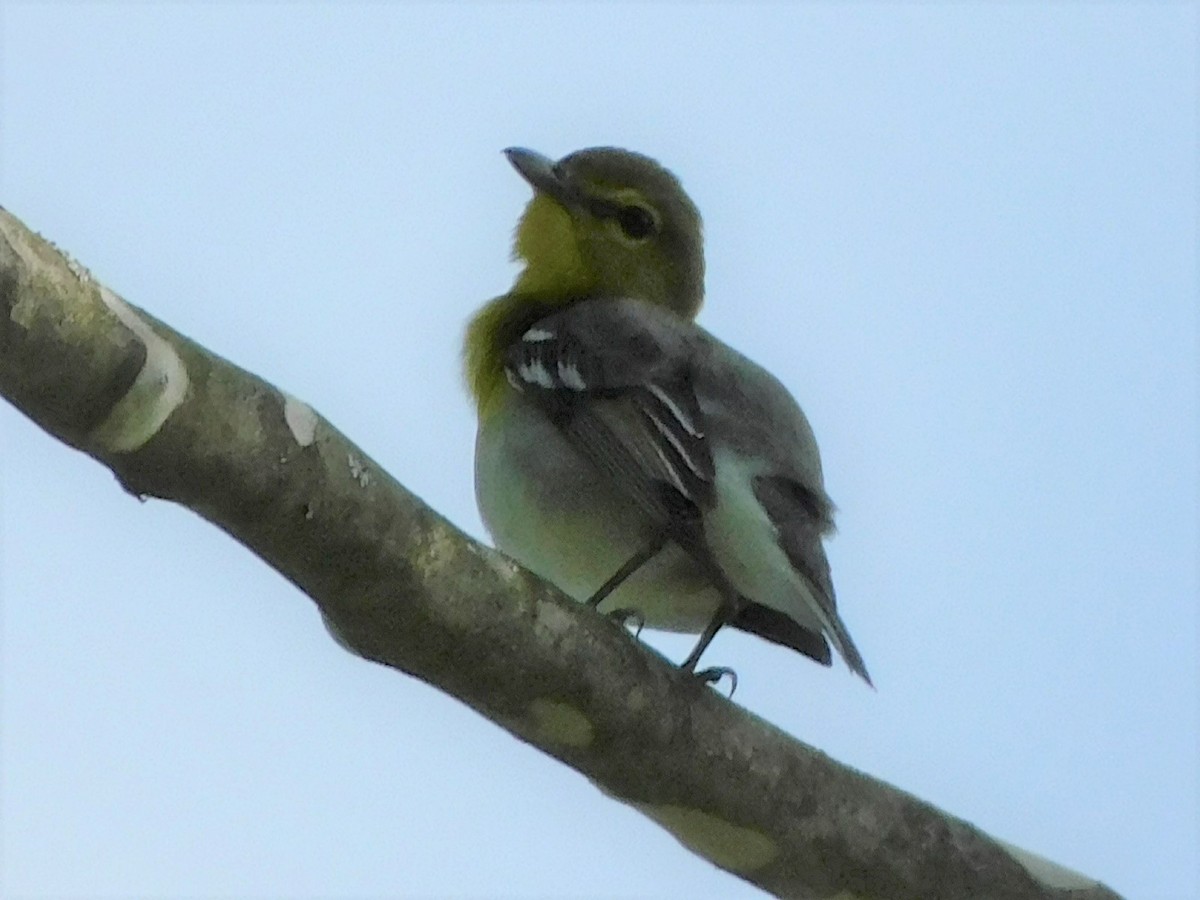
(603, 222)
(554, 276)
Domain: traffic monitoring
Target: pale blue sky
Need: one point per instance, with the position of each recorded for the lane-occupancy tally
(965, 236)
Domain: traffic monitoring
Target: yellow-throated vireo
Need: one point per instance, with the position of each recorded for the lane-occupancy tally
(624, 453)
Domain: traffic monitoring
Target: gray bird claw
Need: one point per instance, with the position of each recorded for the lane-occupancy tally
(624, 616)
(714, 675)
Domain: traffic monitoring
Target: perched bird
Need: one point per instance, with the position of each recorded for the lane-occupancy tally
(624, 453)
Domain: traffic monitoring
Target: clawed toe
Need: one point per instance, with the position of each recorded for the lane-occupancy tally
(715, 674)
(624, 616)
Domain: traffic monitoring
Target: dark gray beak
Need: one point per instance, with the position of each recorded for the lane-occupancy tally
(539, 171)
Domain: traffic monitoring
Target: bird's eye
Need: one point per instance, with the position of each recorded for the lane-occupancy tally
(636, 221)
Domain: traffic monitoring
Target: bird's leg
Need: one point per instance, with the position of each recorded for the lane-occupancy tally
(724, 614)
(634, 563)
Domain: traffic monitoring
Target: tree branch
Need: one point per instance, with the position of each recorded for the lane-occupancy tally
(400, 585)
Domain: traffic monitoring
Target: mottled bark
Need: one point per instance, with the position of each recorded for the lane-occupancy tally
(400, 585)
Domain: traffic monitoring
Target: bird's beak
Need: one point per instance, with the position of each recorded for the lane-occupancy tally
(539, 171)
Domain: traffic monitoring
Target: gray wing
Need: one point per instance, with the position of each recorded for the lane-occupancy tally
(750, 410)
(643, 396)
(616, 379)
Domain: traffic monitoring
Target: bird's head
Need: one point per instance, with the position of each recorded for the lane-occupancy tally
(608, 222)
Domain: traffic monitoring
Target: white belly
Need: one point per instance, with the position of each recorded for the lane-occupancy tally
(547, 508)
(745, 544)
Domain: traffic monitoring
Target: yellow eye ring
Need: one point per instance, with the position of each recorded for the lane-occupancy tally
(636, 222)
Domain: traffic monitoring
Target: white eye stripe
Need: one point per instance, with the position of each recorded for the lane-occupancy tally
(537, 335)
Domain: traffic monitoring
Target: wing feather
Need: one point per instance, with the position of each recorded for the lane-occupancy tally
(623, 396)
(636, 392)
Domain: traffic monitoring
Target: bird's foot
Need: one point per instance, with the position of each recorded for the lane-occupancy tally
(715, 674)
(624, 616)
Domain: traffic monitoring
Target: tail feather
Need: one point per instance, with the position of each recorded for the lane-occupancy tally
(780, 628)
(801, 518)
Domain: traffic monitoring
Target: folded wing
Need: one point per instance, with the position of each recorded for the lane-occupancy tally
(621, 391)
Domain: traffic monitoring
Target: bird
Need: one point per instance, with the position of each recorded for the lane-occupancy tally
(623, 452)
